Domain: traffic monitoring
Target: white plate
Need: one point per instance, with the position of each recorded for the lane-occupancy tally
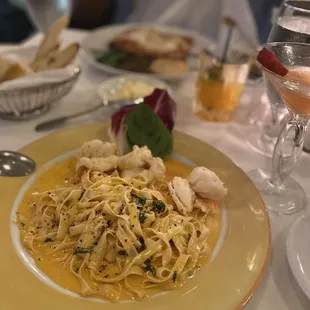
(101, 38)
(105, 88)
(298, 252)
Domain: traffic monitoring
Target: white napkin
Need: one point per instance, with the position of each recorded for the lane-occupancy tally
(40, 78)
(24, 55)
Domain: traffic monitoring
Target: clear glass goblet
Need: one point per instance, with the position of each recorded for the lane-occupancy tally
(281, 193)
(44, 13)
(292, 25)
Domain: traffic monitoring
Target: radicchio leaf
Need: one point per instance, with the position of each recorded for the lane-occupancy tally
(118, 118)
(159, 101)
(163, 105)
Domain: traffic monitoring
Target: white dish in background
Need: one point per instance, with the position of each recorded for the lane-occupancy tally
(100, 39)
(298, 252)
(109, 88)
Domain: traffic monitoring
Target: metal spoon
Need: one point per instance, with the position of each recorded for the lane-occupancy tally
(14, 164)
(230, 24)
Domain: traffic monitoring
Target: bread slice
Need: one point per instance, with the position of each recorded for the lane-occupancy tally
(64, 57)
(51, 39)
(169, 66)
(4, 65)
(41, 63)
(14, 71)
(48, 55)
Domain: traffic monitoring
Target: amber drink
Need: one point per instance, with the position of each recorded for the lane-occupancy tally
(219, 88)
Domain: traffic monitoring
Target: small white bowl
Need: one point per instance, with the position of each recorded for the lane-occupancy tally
(110, 86)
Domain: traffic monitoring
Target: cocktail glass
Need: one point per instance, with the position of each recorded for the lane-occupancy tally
(291, 25)
(281, 193)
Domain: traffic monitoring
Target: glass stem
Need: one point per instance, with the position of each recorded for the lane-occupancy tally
(278, 116)
(288, 148)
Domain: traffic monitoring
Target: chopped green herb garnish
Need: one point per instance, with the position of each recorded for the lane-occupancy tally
(140, 200)
(148, 267)
(143, 246)
(158, 206)
(82, 250)
(174, 278)
(22, 224)
(81, 196)
(142, 217)
(122, 252)
(77, 270)
(48, 240)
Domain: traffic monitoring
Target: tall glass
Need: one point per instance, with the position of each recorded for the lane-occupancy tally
(281, 193)
(219, 87)
(292, 25)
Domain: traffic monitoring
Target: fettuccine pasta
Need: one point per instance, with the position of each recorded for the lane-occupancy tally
(124, 228)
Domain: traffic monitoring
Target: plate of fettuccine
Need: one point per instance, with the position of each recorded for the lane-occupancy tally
(132, 230)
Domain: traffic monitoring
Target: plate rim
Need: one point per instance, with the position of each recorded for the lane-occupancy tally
(289, 254)
(266, 261)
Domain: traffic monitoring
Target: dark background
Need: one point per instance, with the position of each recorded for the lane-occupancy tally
(15, 25)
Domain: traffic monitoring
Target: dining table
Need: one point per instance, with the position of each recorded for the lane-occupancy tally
(278, 289)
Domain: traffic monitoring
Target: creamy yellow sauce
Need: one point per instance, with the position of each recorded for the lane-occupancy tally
(57, 175)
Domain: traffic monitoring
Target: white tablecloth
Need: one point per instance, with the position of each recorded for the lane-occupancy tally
(278, 290)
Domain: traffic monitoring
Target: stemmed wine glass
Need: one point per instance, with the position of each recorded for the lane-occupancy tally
(281, 193)
(292, 25)
(44, 12)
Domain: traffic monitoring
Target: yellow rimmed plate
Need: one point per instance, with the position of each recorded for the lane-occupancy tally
(226, 283)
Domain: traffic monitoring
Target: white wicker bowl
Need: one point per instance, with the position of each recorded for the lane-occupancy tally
(29, 102)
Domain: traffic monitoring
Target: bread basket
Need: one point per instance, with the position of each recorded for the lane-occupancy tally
(29, 102)
(33, 77)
